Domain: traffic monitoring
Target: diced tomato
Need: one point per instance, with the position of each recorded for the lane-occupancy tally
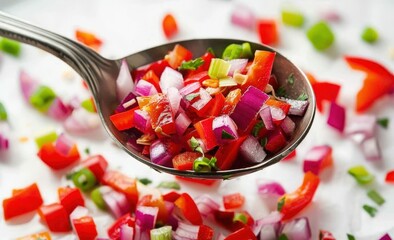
(152, 78)
(158, 67)
(123, 184)
(70, 198)
(114, 230)
(231, 101)
(158, 202)
(206, 182)
(218, 104)
(390, 177)
(205, 132)
(177, 56)
(37, 236)
(85, 228)
(268, 31)
(171, 196)
(235, 200)
(185, 160)
(97, 164)
(227, 153)
(205, 233)
(170, 27)
(292, 203)
(245, 233)
(276, 141)
(188, 209)
(162, 119)
(123, 120)
(55, 216)
(89, 39)
(56, 160)
(199, 77)
(325, 91)
(260, 71)
(22, 201)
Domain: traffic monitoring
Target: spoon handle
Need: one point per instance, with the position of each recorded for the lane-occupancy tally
(83, 60)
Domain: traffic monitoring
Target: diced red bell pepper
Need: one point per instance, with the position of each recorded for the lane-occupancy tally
(228, 152)
(202, 104)
(292, 203)
(260, 71)
(325, 91)
(291, 155)
(273, 82)
(37, 236)
(188, 209)
(22, 201)
(205, 233)
(231, 101)
(235, 200)
(149, 201)
(268, 31)
(218, 104)
(177, 56)
(244, 233)
(171, 196)
(70, 198)
(185, 160)
(123, 120)
(160, 112)
(204, 130)
(276, 141)
(89, 39)
(85, 228)
(56, 160)
(114, 230)
(325, 235)
(284, 106)
(170, 27)
(390, 177)
(157, 67)
(206, 182)
(97, 164)
(123, 184)
(55, 216)
(152, 78)
(198, 77)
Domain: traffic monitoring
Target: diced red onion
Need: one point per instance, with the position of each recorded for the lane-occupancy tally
(174, 97)
(244, 17)
(172, 220)
(145, 217)
(297, 107)
(269, 231)
(141, 235)
(142, 120)
(248, 107)
(124, 82)
(361, 127)
(115, 201)
(221, 237)
(325, 235)
(63, 144)
(331, 16)
(269, 188)
(318, 157)
(337, 117)
(4, 142)
(237, 65)
(277, 113)
(288, 126)
(82, 121)
(224, 123)
(204, 99)
(170, 78)
(144, 88)
(126, 232)
(127, 103)
(385, 237)
(186, 231)
(371, 150)
(159, 154)
(182, 122)
(58, 110)
(190, 88)
(298, 229)
(252, 151)
(206, 205)
(271, 221)
(28, 85)
(265, 115)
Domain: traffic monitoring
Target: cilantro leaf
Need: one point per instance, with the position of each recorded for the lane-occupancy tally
(192, 64)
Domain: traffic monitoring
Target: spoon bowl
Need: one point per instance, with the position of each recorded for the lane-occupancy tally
(100, 74)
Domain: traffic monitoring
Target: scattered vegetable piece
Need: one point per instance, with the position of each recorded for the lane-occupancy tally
(169, 185)
(235, 200)
(10, 46)
(55, 217)
(337, 117)
(268, 31)
(292, 18)
(3, 113)
(370, 210)
(297, 229)
(370, 35)
(188, 209)
(350, 236)
(244, 17)
(385, 237)
(88, 38)
(325, 235)
(318, 158)
(70, 198)
(383, 122)
(321, 36)
(84, 179)
(390, 177)
(49, 137)
(361, 174)
(170, 26)
(37, 236)
(376, 197)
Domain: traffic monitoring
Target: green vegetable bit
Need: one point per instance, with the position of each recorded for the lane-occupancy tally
(204, 164)
(226, 135)
(376, 197)
(370, 210)
(87, 151)
(246, 50)
(232, 51)
(370, 35)
(384, 122)
(145, 181)
(10, 46)
(192, 64)
(42, 98)
(163, 233)
(281, 203)
(84, 179)
(361, 175)
(97, 198)
(257, 127)
(350, 236)
(292, 18)
(281, 92)
(191, 96)
(3, 113)
(195, 145)
(88, 105)
(263, 141)
(321, 36)
(303, 97)
(169, 185)
(240, 217)
(290, 79)
(46, 138)
(283, 237)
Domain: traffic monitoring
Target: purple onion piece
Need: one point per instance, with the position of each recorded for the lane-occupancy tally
(127, 103)
(28, 85)
(142, 120)
(144, 88)
(297, 229)
(337, 117)
(58, 110)
(159, 154)
(315, 157)
(288, 126)
(224, 125)
(297, 107)
(145, 217)
(385, 237)
(170, 78)
(252, 151)
(269, 188)
(266, 116)
(371, 149)
(124, 82)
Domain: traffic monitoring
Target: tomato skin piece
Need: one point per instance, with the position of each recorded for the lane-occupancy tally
(177, 56)
(268, 31)
(70, 198)
(114, 230)
(227, 153)
(235, 200)
(293, 203)
(170, 27)
(22, 201)
(55, 217)
(85, 228)
(260, 71)
(188, 209)
(123, 120)
(55, 160)
(97, 164)
(185, 160)
(41, 236)
(244, 233)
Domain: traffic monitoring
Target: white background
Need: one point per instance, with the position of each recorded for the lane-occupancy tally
(129, 26)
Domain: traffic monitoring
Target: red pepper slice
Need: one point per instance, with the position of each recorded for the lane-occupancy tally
(97, 164)
(198, 77)
(218, 104)
(70, 198)
(276, 141)
(55, 217)
(292, 203)
(206, 182)
(235, 200)
(205, 233)
(204, 130)
(89, 39)
(244, 233)
(170, 27)
(114, 230)
(85, 228)
(123, 120)
(41, 236)
(231, 101)
(378, 82)
(325, 91)
(185, 160)
(157, 67)
(188, 209)
(260, 71)
(390, 177)
(268, 31)
(152, 78)
(177, 56)
(56, 160)
(227, 153)
(171, 196)
(22, 201)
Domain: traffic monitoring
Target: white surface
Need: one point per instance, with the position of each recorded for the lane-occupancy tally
(129, 26)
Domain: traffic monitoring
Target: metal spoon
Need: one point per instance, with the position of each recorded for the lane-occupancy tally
(100, 74)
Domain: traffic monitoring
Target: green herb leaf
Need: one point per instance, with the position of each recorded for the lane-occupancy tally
(283, 237)
(257, 127)
(240, 217)
(192, 64)
(281, 92)
(281, 203)
(361, 174)
(290, 79)
(212, 162)
(87, 151)
(3, 113)
(191, 96)
(210, 50)
(370, 210)
(169, 185)
(226, 135)
(145, 181)
(376, 197)
(263, 141)
(303, 97)
(350, 236)
(383, 122)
